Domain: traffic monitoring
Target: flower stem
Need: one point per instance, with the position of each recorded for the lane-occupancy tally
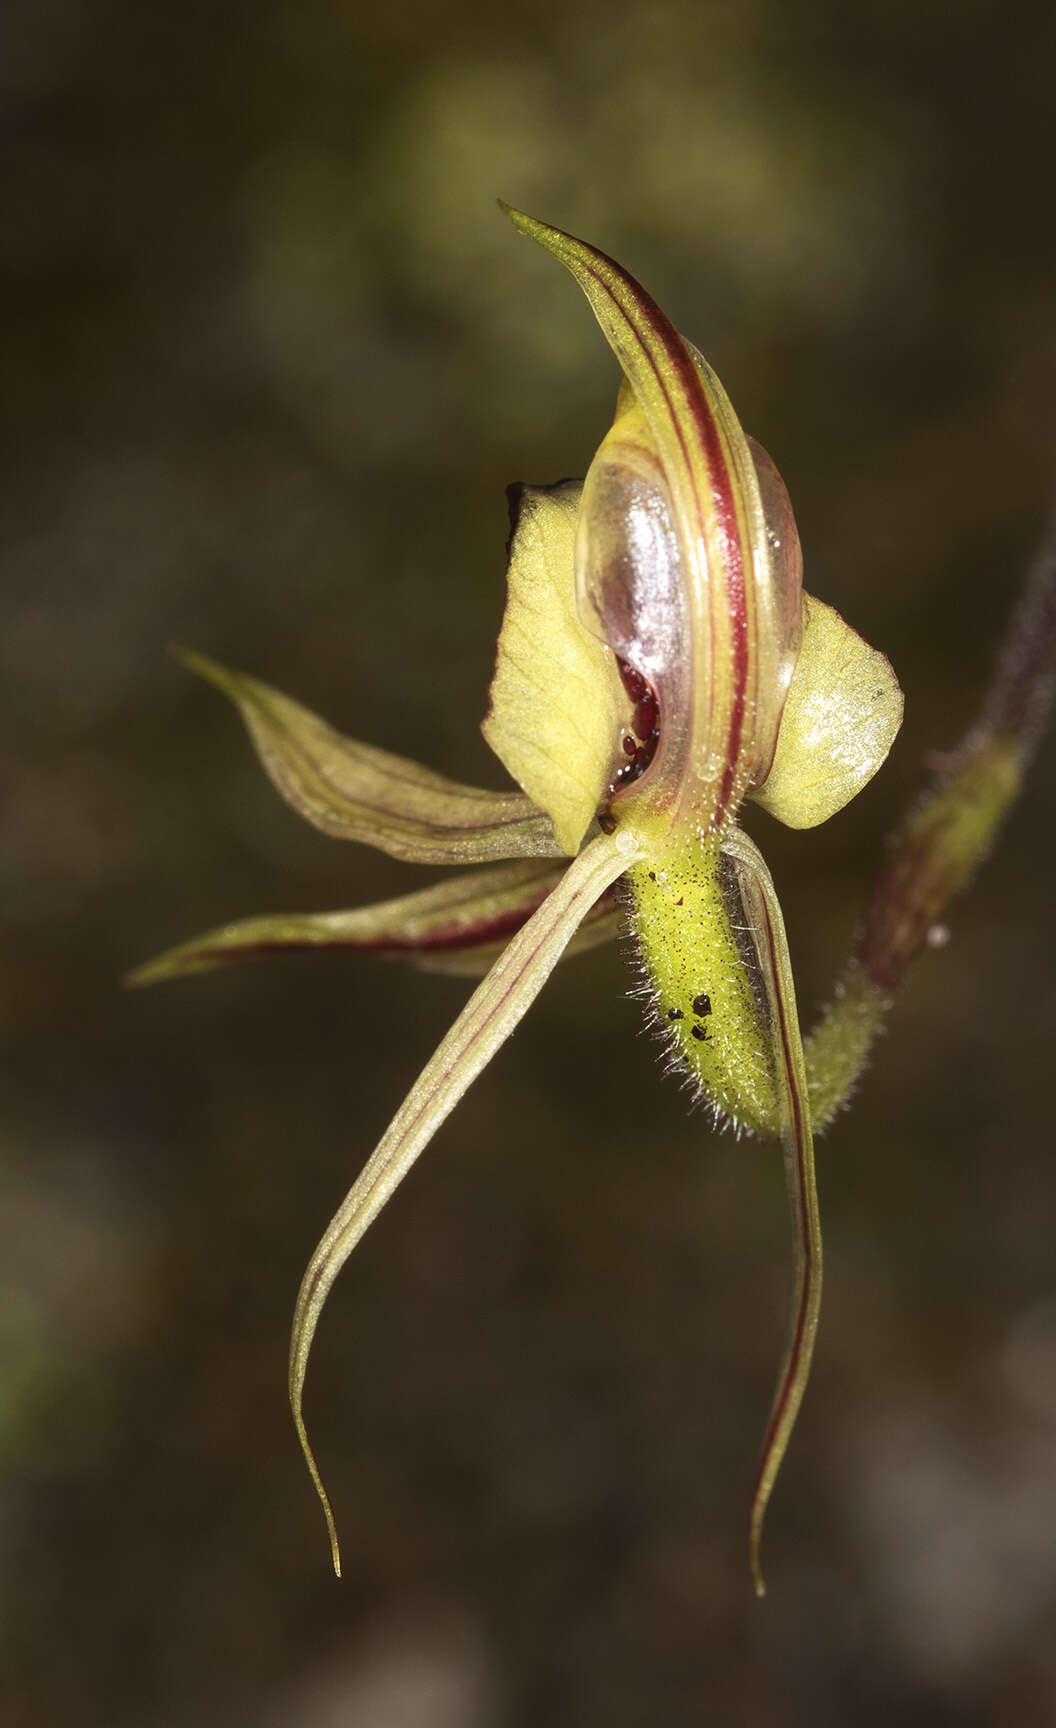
(943, 839)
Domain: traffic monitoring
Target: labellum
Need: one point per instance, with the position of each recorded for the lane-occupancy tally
(688, 568)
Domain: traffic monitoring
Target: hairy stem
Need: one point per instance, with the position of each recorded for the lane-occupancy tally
(943, 840)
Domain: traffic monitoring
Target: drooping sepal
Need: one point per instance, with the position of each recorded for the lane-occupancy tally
(764, 925)
(356, 792)
(490, 1015)
(557, 706)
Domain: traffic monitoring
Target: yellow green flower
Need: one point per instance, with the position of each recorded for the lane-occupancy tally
(658, 664)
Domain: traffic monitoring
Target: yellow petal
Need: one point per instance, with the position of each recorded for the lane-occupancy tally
(842, 712)
(557, 703)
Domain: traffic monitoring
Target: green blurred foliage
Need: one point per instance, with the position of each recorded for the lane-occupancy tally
(270, 356)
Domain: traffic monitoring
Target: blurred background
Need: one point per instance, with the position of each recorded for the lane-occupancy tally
(270, 356)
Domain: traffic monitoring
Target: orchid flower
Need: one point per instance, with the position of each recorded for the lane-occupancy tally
(658, 664)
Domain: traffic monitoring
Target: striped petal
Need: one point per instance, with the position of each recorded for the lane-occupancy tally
(356, 792)
(606, 920)
(459, 925)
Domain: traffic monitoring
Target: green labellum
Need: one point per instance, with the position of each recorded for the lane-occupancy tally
(703, 976)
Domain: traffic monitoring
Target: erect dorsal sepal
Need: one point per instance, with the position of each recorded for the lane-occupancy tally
(673, 511)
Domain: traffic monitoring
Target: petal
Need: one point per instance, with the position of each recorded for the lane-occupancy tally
(767, 931)
(457, 921)
(842, 712)
(356, 792)
(606, 920)
(557, 702)
(485, 1023)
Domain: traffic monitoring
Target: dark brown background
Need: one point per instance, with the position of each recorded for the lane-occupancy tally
(270, 358)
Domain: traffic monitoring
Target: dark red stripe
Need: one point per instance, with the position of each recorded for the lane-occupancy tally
(725, 510)
(445, 939)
